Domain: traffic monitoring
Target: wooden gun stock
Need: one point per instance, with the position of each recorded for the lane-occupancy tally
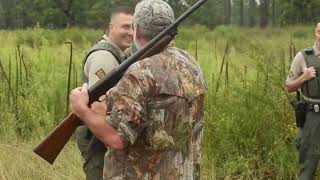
(52, 145)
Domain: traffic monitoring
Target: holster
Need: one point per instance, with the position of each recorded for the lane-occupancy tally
(300, 109)
(300, 112)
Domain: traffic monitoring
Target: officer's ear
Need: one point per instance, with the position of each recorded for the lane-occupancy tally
(317, 30)
(138, 32)
(110, 26)
(106, 29)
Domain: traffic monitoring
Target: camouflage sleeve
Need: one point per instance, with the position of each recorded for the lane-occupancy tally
(297, 66)
(126, 109)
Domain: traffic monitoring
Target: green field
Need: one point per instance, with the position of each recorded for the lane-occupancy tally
(249, 130)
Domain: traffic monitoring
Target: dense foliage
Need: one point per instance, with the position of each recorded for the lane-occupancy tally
(95, 13)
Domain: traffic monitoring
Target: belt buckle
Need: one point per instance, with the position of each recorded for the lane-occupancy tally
(316, 108)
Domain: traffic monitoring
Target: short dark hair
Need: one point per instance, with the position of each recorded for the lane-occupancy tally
(117, 10)
(122, 9)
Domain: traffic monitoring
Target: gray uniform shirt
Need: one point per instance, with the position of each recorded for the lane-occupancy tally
(100, 62)
(297, 66)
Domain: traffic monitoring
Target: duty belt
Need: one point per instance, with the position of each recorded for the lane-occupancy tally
(313, 107)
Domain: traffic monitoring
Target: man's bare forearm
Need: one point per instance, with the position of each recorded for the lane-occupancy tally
(294, 85)
(101, 129)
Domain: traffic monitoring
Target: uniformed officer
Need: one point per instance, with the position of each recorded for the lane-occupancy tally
(304, 76)
(101, 59)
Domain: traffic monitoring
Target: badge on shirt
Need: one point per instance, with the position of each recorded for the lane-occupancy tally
(100, 73)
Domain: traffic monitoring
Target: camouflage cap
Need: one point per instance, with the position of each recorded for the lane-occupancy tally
(153, 16)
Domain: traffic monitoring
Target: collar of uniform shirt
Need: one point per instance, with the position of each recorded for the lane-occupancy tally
(105, 37)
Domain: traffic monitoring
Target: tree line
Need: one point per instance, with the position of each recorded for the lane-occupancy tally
(95, 13)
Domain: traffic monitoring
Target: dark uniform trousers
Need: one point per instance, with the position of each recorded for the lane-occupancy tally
(93, 162)
(308, 141)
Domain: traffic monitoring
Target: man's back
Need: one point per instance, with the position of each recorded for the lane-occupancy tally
(159, 104)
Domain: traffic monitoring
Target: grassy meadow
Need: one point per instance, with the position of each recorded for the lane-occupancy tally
(249, 130)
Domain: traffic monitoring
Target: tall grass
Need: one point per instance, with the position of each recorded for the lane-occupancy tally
(249, 130)
(18, 162)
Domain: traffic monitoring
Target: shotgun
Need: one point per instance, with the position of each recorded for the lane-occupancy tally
(50, 147)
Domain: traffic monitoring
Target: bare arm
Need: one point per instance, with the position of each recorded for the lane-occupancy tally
(293, 84)
(94, 121)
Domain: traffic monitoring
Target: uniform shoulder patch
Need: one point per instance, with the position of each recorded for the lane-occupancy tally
(100, 73)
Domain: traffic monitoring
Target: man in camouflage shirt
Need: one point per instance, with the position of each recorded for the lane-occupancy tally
(154, 121)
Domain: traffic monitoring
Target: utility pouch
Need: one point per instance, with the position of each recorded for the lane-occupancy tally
(300, 110)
